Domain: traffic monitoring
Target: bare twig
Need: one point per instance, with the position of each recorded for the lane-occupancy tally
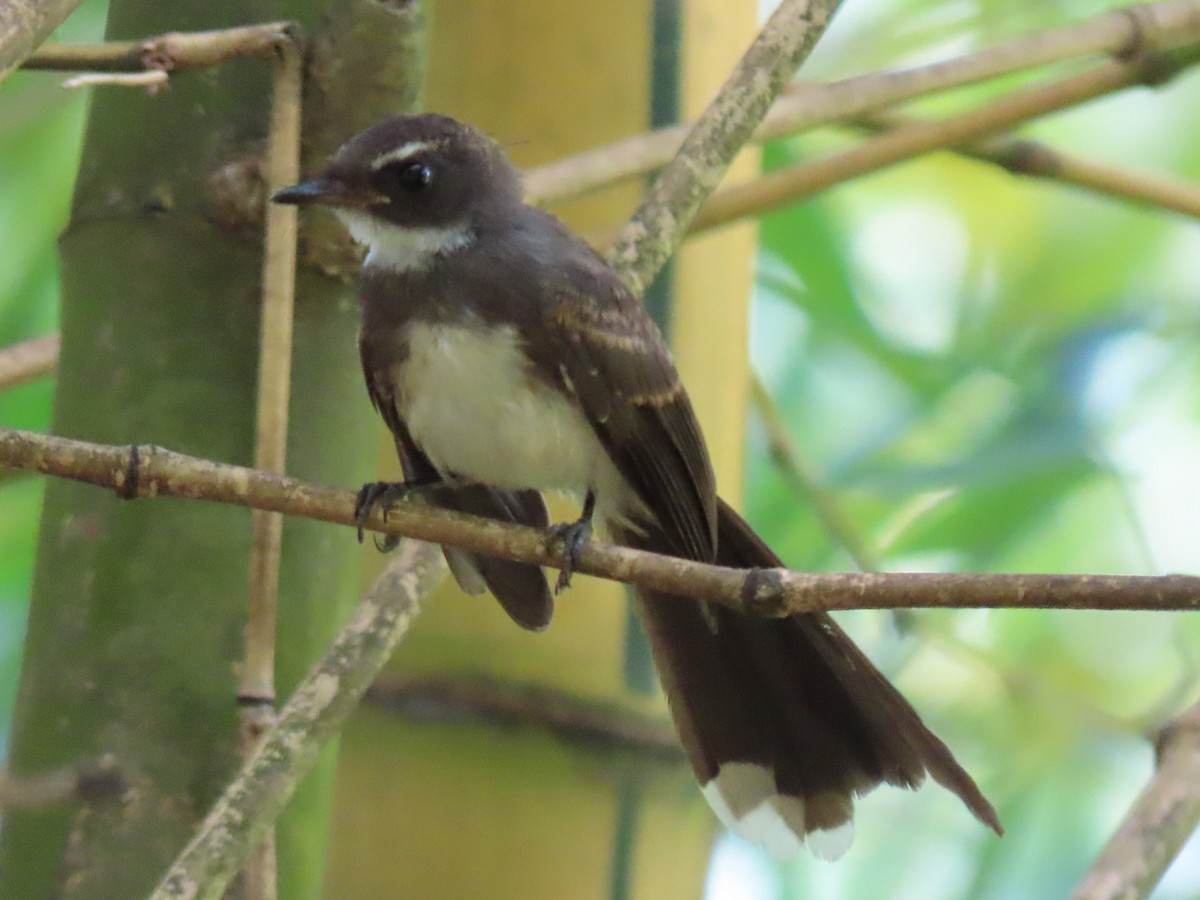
(171, 52)
(806, 484)
(153, 81)
(28, 360)
(1159, 823)
(1123, 33)
(568, 717)
(90, 780)
(790, 184)
(256, 693)
(147, 471)
(26, 23)
(659, 224)
(1035, 159)
(316, 710)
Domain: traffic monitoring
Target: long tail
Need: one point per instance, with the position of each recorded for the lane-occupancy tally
(785, 720)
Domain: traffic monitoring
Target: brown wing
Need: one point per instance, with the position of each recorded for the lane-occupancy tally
(611, 356)
(520, 588)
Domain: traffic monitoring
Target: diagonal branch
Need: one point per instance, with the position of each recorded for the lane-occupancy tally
(312, 715)
(149, 471)
(26, 23)
(661, 220)
(1035, 159)
(1159, 823)
(28, 360)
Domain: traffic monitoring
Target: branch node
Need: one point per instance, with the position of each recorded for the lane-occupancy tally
(128, 486)
(762, 593)
(100, 780)
(291, 37)
(1024, 157)
(1172, 732)
(251, 701)
(1156, 69)
(1145, 34)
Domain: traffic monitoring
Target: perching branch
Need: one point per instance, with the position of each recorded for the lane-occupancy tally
(1122, 33)
(148, 471)
(661, 220)
(1159, 823)
(313, 714)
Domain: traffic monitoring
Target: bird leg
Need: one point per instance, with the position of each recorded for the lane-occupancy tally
(574, 535)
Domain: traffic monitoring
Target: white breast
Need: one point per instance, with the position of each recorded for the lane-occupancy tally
(471, 404)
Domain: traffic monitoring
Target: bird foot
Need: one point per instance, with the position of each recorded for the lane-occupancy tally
(574, 535)
(384, 495)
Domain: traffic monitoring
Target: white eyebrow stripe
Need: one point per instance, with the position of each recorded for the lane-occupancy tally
(404, 151)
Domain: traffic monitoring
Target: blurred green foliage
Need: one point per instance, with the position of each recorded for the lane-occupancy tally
(991, 373)
(995, 374)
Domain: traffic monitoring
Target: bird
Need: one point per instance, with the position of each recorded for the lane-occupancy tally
(508, 359)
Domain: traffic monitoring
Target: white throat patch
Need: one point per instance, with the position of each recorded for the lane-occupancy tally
(400, 249)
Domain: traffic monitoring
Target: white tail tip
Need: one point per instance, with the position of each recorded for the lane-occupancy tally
(744, 798)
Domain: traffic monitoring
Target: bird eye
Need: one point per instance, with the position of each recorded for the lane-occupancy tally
(413, 175)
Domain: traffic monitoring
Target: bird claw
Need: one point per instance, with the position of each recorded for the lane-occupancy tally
(574, 535)
(381, 494)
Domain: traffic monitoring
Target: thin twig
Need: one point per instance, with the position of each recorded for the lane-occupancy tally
(1157, 825)
(1123, 33)
(148, 471)
(91, 780)
(568, 717)
(793, 183)
(658, 226)
(313, 714)
(806, 484)
(256, 693)
(153, 81)
(171, 52)
(1035, 159)
(28, 360)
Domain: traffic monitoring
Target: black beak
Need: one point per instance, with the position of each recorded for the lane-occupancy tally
(326, 191)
